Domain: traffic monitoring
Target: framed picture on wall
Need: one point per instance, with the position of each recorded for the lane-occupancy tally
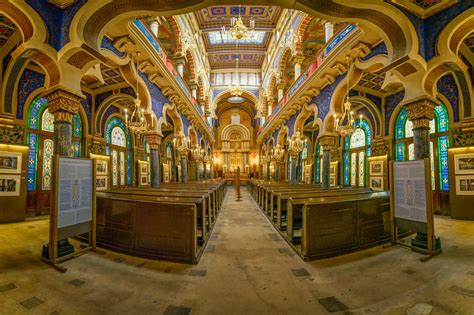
(101, 182)
(333, 169)
(10, 162)
(464, 163)
(332, 181)
(101, 167)
(376, 168)
(143, 173)
(465, 185)
(376, 183)
(10, 185)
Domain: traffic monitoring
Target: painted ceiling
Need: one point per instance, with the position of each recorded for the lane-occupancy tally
(372, 81)
(7, 28)
(221, 50)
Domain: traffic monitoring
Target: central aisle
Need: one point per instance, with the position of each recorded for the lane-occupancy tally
(251, 268)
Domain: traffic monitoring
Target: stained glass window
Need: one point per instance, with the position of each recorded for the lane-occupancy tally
(118, 137)
(346, 168)
(358, 139)
(353, 168)
(361, 168)
(114, 168)
(39, 118)
(440, 144)
(47, 121)
(48, 150)
(122, 168)
(219, 38)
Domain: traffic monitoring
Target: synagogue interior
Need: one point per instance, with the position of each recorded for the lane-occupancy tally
(239, 157)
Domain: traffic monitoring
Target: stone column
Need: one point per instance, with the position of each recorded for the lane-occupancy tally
(277, 171)
(204, 164)
(62, 105)
(154, 25)
(180, 66)
(269, 109)
(194, 90)
(298, 60)
(293, 160)
(154, 141)
(329, 30)
(268, 170)
(421, 112)
(183, 157)
(280, 86)
(328, 142)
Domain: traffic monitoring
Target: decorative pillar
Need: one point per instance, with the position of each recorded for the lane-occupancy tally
(194, 90)
(154, 141)
(62, 105)
(298, 60)
(184, 169)
(204, 169)
(277, 171)
(329, 30)
(280, 86)
(154, 25)
(268, 170)
(293, 160)
(328, 142)
(180, 66)
(421, 112)
(269, 109)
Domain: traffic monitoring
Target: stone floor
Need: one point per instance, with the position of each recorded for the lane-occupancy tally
(247, 269)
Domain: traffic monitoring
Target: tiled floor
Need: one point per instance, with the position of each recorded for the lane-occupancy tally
(248, 269)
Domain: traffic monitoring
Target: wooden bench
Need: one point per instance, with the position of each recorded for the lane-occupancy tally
(153, 229)
(336, 225)
(204, 212)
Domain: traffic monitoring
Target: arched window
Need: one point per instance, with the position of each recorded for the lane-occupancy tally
(357, 149)
(439, 145)
(118, 147)
(40, 139)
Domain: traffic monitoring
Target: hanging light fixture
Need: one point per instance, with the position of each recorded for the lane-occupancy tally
(345, 125)
(291, 39)
(238, 30)
(236, 90)
(297, 143)
(278, 152)
(136, 121)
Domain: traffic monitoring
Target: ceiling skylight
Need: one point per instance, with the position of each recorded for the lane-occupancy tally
(217, 38)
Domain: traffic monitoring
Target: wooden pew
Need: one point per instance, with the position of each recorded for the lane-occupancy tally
(204, 212)
(336, 225)
(153, 229)
(283, 200)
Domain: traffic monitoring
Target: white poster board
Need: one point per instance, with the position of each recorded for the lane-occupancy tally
(410, 190)
(75, 184)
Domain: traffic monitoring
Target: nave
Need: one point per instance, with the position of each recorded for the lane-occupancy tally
(246, 268)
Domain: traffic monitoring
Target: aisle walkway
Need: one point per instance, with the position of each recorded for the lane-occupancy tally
(247, 269)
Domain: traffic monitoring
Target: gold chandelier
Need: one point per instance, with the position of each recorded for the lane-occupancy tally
(297, 143)
(278, 152)
(238, 30)
(345, 125)
(136, 122)
(236, 90)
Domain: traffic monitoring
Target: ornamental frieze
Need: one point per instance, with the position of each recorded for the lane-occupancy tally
(463, 138)
(12, 135)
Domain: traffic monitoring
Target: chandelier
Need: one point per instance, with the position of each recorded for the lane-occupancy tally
(278, 153)
(236, 90)
(291, 39)
(181, 144)
(136, 121)
(296, 143)
(345, 125)
(197, 153)
(238, 30)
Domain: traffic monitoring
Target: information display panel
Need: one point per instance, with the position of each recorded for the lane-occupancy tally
(410, 190)
(75, 185)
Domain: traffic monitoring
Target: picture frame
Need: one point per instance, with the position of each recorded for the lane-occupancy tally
(144, 180)
(465, 185)
(464, 163)
(101, 182)
(143, 173)
(101, 167)
(10, 185)
(376, 168)
(10, 162)
(376, 183)
(333, 169)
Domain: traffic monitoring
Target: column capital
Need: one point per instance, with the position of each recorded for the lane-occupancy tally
(421, 112)
(63, 104)
(297, 59)
(153, 139)
(281, 85)
(328, 141)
